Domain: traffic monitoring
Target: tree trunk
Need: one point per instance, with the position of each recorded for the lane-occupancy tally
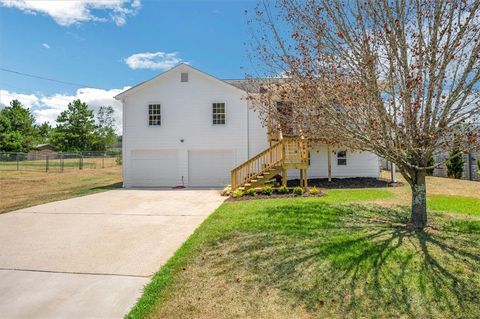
(419, 200)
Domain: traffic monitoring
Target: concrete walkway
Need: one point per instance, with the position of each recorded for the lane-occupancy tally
(89, 257)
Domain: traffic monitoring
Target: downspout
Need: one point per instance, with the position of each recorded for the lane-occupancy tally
(248, 132)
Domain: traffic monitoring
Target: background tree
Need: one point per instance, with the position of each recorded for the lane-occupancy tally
(18, 132)
(455, 163)
(75, 129)
(44, 131)
(105, 137)
(392, 78)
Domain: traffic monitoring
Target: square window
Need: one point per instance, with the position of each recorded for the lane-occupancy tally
(154, 115)
(218, 113)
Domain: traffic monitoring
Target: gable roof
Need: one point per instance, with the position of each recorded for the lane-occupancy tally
(232, 83)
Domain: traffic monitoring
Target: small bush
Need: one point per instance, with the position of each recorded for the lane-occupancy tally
(282, 190)
(251, 192)
(478, 164)
(298, 191)
(267, 190)
(314, 190)
(237, 193)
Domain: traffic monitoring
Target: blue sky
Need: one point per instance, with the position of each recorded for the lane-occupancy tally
(90, 43)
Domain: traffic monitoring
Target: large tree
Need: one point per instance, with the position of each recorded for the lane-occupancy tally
(18, 132)
(75, 129)
(397, 78)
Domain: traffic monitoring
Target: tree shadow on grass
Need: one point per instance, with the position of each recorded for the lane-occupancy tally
(357, 261)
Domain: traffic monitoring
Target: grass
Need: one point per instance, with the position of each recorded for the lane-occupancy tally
(20, 189)
(346, 255)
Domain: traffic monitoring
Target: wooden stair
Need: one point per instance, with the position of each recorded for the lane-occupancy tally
(288, 153)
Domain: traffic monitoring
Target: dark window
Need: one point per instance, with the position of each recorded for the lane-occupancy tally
(218, 113)
(184, 77)
(342, 158)
(154, 114)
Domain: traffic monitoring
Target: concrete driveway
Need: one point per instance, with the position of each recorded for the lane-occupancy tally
(89, 257)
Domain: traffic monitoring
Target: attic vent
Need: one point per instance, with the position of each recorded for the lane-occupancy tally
(184, 77)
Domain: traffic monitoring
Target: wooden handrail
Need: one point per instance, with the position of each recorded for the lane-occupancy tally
(257, 165)
(287, 150)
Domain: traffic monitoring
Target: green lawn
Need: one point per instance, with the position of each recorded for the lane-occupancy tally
(339, 256)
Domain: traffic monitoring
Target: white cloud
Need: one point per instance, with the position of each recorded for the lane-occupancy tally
(27, 100)
(153, 60)
(47, 108)
(67, 13)
(46, 45)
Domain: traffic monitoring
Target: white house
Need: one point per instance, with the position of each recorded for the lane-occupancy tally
(185, 127)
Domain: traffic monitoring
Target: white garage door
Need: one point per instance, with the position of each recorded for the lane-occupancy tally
(154, 168)
(210, 167)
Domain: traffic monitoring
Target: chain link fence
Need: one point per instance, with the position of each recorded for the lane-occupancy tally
(58, 161)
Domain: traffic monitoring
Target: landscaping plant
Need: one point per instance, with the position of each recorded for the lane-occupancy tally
(267, 190)
(251, 192)
(298, 191)
(237, 193)
(314, 190)
(282, 190)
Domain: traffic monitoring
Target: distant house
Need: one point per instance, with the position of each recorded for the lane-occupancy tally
(187, 127)
(41, 151)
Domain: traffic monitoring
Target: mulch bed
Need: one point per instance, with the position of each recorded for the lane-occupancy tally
(273, 196)
(357, 182)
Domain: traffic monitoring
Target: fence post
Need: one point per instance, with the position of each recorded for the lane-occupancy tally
(17, 158)
(46, 163)
(103, 161)
(61, 162)
(81, 161)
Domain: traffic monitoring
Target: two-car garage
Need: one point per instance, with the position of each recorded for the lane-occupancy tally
(171, 167)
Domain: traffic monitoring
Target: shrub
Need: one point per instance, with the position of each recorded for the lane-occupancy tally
(282, 190)
(478, 164)
(267, 190)
(251, 192)
(314, 190)
(298, 191)
(237, 193)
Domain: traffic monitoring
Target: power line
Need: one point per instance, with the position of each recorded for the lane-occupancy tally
(48, 79)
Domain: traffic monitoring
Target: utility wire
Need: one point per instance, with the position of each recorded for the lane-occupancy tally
(48, 79)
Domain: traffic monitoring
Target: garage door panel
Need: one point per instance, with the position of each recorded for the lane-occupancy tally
(210, 167)
(154, 167)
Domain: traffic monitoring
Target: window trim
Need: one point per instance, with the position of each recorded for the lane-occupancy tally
(148, 114)
(341, 158)
(224, 113)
